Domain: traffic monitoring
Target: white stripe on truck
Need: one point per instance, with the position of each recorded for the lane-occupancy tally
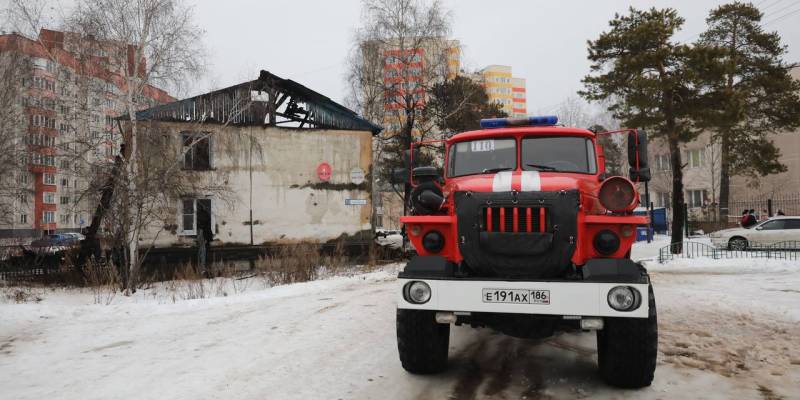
(502, 181)
(531, 182)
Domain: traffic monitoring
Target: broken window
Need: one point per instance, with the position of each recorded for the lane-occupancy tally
(196, 151)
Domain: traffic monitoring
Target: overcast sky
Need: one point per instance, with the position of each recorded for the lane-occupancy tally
(543, 41)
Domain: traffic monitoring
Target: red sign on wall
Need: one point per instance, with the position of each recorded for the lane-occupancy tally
(324, 172)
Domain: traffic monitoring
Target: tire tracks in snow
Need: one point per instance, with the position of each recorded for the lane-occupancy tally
(498, 366)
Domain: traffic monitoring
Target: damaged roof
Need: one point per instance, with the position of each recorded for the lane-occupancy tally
(268, 100)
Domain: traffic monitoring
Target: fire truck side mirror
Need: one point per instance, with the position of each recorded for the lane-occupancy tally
(637, 156)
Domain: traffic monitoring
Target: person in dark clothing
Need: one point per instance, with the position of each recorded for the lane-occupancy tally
(780, 213)
(743, 221)
(751, 218)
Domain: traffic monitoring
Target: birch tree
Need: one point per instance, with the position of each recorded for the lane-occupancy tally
(148, 43)
(15, 182)
(400, 52)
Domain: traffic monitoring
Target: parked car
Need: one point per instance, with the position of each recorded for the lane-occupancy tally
(55, 243)
(392, 239)
(783, 231)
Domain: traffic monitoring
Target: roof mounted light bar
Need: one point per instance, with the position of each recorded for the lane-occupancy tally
(546, 120)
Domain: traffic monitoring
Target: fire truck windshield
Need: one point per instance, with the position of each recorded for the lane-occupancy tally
(558, 153)
(482, 156)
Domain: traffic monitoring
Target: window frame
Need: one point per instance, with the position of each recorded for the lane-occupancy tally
(181, 214)
(190, 151)
(452, 149)
(696, 158)
(590, 158)
(791, 221)
(46, 220)
(765, 224)
(690, 195)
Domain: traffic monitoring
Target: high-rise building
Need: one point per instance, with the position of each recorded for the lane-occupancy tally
(68, 97)
(409, 71)
(504, 89)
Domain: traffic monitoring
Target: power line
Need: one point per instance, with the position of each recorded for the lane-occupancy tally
(766, 15)
(770, 4)
(781, 17)
(782, 9)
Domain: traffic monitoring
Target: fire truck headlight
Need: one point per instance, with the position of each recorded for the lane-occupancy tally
(624, 298)
(433, 241)
(617, 194)
(417, 292)
(606, 242)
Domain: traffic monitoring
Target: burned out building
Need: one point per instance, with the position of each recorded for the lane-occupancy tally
(265, 161)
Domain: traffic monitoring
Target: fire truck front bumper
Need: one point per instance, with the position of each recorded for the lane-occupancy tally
(609, 288)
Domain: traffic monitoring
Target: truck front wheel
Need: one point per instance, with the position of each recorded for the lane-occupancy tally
(421, 341)
(627, 349)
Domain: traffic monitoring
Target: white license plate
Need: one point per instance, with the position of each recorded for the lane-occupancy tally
(516, 296)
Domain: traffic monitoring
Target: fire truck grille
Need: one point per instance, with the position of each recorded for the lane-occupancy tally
(514, 219)
(520, 235)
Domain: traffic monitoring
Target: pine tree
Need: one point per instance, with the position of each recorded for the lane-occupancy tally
(458, 105)
(748, 94)
(649, 79)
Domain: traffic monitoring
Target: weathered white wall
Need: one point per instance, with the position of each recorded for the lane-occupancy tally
(289, 201)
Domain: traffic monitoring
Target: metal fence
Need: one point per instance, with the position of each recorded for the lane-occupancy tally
(765, 206)
(788, 250)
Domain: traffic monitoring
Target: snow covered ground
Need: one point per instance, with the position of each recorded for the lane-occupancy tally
(728, 329)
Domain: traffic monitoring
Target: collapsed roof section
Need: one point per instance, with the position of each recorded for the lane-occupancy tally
(267, 101)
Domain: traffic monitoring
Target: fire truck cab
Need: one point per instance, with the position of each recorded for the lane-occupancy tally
(528, 235)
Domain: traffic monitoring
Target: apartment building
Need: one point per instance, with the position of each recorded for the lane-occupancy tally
(745, 188)
(505, 89)
(69, 95)
(408, 70)
(700, 176)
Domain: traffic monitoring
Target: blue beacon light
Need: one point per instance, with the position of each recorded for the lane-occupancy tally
(547, 120)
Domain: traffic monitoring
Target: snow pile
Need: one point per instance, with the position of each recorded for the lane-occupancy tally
(723, 265)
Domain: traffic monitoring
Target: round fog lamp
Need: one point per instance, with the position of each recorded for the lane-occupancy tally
(417, 292)
(624, 298)
(433, 241)
(606, 242)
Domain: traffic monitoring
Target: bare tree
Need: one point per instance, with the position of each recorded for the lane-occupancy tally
(576, 112)
(400, 51)
(146, 42)
(15, 183)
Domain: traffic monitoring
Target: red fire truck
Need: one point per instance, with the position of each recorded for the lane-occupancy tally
(526, 233)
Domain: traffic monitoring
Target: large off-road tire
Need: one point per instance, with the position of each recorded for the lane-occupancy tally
(421, 341)
(627, 349)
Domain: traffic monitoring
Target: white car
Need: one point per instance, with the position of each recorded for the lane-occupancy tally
(392, 239)
(783, 231)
